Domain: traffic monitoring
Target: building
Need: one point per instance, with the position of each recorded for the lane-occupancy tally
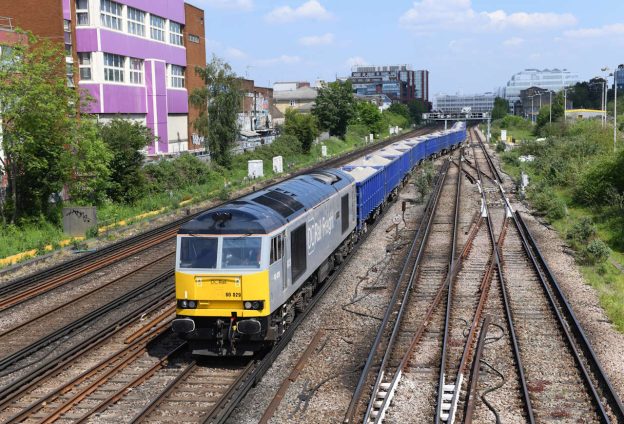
(577, 114)
(301, 99)
(134, 58)
(478, 103)
(422, 85)
(382, 101)
(619, 77)
(533, 98)
(256, 111)
(399, 82)
(549, 79)
(290, 85)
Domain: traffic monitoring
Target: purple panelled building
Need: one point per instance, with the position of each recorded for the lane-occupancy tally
(132, 61)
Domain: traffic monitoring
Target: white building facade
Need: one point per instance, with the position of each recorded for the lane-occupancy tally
(478, 103)
(549, 79)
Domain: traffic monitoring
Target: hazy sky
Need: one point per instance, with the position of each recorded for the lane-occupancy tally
(468, 46)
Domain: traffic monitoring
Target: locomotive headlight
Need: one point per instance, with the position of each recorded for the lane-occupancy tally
(254, 305)
(187, 304)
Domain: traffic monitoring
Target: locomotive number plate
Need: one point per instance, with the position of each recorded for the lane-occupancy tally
(220, 288)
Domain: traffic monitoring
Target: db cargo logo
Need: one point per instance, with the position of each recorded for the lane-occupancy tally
(318, 230)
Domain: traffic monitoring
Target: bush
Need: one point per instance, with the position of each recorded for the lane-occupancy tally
(557, 209)
(596, 252)
(582, 231)
(547, 203)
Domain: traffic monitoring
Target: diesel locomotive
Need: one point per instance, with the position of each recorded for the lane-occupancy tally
(246, 268)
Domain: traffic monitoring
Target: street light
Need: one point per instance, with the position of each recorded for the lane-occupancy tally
(606, 69)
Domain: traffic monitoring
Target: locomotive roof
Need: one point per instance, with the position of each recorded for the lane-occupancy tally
(268, 209)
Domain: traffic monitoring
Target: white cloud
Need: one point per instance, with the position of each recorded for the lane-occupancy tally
(513, 42)
(355, 61)
(234, 53)
(240, 5)
(283, 59)
(317, 40)
(603, 31)
(311, 9)
(459, 14)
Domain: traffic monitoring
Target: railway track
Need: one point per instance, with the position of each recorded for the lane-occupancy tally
(67, 400)
(558, 376)
(425, 268)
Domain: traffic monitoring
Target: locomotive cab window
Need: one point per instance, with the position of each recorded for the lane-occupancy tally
(277, 248)
(198, 252)
(241, 252)
(298, 252)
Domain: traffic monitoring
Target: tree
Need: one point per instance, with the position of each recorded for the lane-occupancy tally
(125, 139)
(89, 179)
(335, 107)
(302, 126)
(38, 117)
(219, 103)
(368, 114)
(416, 110)
(544, 116)
(401, 109)
(501, 108)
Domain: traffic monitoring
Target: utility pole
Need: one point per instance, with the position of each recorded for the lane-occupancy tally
(550, 93)
(614, 110)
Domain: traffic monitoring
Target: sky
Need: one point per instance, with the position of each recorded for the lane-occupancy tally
(467, 46)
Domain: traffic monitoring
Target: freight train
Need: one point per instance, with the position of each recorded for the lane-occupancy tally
(247, 267)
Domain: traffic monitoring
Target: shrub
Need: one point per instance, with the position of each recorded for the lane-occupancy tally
(582, 231)
(557, 209)
(596, 252)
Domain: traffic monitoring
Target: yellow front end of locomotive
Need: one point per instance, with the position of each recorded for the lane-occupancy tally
(222, 295)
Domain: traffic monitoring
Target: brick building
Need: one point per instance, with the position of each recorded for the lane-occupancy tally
(136, 58)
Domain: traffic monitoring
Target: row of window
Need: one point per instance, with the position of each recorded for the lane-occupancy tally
(112, 16)
(125, 69)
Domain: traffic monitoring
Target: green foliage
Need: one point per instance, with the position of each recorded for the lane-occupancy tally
(391, 119)
(182, 172)
(302, 126)
(218, 103)
(369, 115)
(501, 108)
(38, 117)
(595, 252)
(335, 107)
(90, 171)
(586, 96)
(545, 201)
(500, 147)
(125, 139)
(416, 110)
(581, 232)
(423, 179)
(514, 122)
(544, 116)
(401, 110)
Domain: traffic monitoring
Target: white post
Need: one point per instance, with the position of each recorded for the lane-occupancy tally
(550, 92)
(565, 104)
(532, 110)
(604, 102)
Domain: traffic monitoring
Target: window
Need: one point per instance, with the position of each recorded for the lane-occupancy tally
(241, 252)
(113, 67)
(198, 252)
(175, 33)
(298, 252)
(193, 38)
(136, 71)
(136, 22)
(345, 212)
(277, 248)
(67, 37)
(177, 76)
(84, 64)
(82, 12)
(293, 103)
(69, 72)
(110, 14)
(157, 28)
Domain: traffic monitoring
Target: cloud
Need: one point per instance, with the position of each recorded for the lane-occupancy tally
(426, 15)
(513, 42)
(283, 59)
(355, 61)
(311, 9)
(234, 53)
(239, 5)
(600, 32)
(317, 40)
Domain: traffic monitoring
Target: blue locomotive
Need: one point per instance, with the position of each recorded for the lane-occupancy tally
(246, 268)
